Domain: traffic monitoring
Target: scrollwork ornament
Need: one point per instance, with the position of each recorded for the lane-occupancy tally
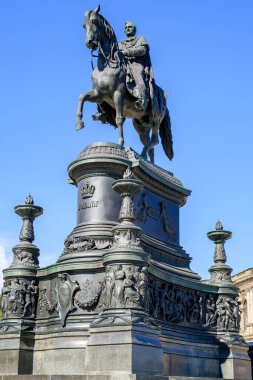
(127, 237)
(221, 275)
(75, 244)
(25, 257)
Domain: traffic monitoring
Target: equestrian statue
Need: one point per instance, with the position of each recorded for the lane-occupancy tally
(124, 85)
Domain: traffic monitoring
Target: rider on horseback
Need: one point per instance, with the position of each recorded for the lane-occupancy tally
(122, 67)
(140, 78)
(136, 51)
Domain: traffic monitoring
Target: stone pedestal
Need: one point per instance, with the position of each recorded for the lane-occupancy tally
(125, 348)
(235, 362)
(16, 350)
(122, 302)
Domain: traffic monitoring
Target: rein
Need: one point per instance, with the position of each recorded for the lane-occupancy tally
(108, 60)
(117, 62)
(113, 45)
(91, 59)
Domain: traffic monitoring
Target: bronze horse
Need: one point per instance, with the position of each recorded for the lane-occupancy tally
(109, 92)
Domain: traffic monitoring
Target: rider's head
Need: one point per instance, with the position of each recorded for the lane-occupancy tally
(130, 29)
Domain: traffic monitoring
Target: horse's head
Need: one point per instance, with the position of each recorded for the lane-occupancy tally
(97, 29)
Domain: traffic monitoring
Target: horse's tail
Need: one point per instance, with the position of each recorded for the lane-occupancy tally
(166, 135)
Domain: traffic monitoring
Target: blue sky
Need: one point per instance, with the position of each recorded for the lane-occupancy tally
(202, 55)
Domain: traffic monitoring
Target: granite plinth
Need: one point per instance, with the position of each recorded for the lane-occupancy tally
(122, 302)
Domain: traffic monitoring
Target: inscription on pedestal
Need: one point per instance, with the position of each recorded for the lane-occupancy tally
(85, 205)
(96, 200)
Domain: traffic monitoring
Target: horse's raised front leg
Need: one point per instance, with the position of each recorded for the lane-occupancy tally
(90, 96)
(118, 98)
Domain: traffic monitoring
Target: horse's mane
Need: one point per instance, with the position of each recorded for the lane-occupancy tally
(107, 27)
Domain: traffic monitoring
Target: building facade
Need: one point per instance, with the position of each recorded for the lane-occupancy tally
(244, 281)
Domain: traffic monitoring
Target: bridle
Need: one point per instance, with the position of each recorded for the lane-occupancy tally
(107, 59)
(118, 62)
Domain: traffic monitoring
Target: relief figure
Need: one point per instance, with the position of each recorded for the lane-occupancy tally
(167, 222)
(31, 292)
(118, 291)
(109, 283)
(210, 311)
(142, 209)
(5, 298)
(131, 296)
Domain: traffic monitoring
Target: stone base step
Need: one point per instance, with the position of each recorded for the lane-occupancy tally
(114, 376)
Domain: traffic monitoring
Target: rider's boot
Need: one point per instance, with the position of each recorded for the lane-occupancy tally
(141, 104)
(140, 95)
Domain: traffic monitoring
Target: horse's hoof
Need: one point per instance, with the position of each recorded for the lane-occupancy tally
(79, 125)
(121, 142)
